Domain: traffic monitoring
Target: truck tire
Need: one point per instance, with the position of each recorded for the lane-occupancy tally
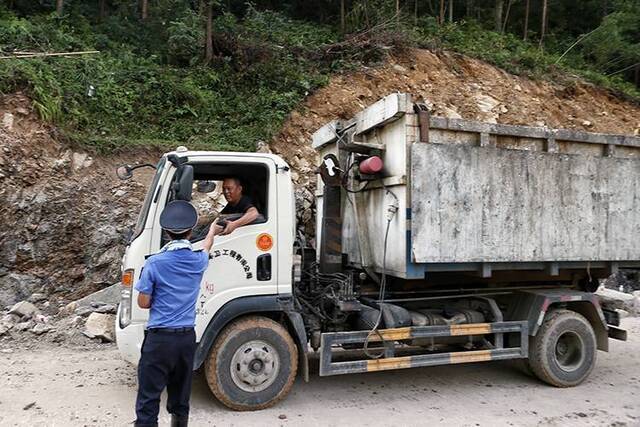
(563, 353)
(252, 364)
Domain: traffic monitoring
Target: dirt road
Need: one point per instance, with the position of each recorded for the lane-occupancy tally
(67, 387)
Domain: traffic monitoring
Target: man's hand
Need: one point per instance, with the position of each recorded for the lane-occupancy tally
(217, 229)
(229, 228)
(214, 230)
(144, 300)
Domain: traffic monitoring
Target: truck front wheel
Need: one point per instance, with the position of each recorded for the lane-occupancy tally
(252, 364)
(563, 353)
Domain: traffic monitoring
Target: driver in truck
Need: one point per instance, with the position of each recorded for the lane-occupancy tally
(169, 286)
(237, 203)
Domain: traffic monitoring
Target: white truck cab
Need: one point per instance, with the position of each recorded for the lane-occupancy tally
(255, 260)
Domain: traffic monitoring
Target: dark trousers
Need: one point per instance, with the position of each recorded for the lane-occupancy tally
(166, 361)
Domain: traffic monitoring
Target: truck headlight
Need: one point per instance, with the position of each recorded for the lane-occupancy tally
(125, 297)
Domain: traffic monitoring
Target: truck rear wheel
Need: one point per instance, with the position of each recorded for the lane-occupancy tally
(563, 353)
(252, 364)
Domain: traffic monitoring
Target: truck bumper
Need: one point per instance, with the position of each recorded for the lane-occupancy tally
(129, 340)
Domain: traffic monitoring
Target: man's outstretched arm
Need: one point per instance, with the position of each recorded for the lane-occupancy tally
(249, 216)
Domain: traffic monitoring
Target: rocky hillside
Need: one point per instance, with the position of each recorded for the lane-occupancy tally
(65, 213)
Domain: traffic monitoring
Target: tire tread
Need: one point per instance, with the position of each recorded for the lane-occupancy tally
(537, 350)
(236, 327)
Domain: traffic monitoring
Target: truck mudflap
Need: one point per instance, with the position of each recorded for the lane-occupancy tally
(421, 356)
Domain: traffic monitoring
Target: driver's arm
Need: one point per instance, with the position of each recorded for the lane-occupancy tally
(249, 216)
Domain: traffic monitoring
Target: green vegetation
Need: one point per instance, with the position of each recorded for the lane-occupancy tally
(511, 53)
(153, 84)
(130, 94)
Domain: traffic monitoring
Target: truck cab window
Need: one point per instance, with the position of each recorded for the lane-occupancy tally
(209, 200)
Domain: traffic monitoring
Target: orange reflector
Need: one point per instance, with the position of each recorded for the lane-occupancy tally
(127, 278)
(264, 242)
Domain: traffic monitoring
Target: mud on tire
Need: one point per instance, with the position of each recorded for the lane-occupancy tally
(563, 353)
(252, 364)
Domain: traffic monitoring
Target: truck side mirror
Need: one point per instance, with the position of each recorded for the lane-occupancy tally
(183, 185)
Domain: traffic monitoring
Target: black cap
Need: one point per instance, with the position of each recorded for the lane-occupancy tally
(178, 216)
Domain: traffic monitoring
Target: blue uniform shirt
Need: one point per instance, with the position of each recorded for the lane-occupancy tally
(172, 278)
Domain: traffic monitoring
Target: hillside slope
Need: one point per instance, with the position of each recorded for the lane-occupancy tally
(454, 85)
(65, 212)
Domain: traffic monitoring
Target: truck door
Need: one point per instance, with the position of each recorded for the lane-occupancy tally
(242, 263)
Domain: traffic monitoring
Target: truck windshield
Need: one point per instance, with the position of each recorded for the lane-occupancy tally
(142, 217)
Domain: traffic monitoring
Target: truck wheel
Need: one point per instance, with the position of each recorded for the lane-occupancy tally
(563, 352)
(252, 364)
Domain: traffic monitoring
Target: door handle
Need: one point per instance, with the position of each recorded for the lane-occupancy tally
(264, 268)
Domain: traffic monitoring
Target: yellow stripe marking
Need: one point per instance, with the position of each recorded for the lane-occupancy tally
(390, 363)
(391, 334)
(471, 329)
(470, 356)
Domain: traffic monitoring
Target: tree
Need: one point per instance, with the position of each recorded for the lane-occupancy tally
(506, 16)
(208, 50)
(102, 9)
(543, 26)
(450, 10)
(59, 5)
(144, 9)
(398, 11)
(441, 15)
(342, 22)
(498, 15)
(526, 21)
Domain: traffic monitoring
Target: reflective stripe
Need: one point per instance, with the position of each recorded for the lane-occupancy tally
(390, 363)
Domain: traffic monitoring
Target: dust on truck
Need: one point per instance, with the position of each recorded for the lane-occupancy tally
(439, 241)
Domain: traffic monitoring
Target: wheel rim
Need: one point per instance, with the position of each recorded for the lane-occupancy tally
(569, 351)
(255, 366)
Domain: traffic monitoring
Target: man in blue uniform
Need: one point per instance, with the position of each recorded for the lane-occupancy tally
(169, 286)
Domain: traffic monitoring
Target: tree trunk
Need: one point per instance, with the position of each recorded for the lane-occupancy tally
(605, 8)
(451, 10)
(441, 15)
(469, 7)
(498, 15)
(342, 21)
(102, 10)
(506, 16)
(208, 53)
(366, 14)
(398, 12)
(432, 8)
(543, 26)
(144, 10)
(526, 21)
(415, 13)
(59, 5)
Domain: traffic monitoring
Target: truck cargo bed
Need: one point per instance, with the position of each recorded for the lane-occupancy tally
(484, 197)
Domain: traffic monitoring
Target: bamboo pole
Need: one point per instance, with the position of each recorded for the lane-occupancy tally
(44, 54)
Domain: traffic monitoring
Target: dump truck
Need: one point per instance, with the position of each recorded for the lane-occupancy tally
(438, 241)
